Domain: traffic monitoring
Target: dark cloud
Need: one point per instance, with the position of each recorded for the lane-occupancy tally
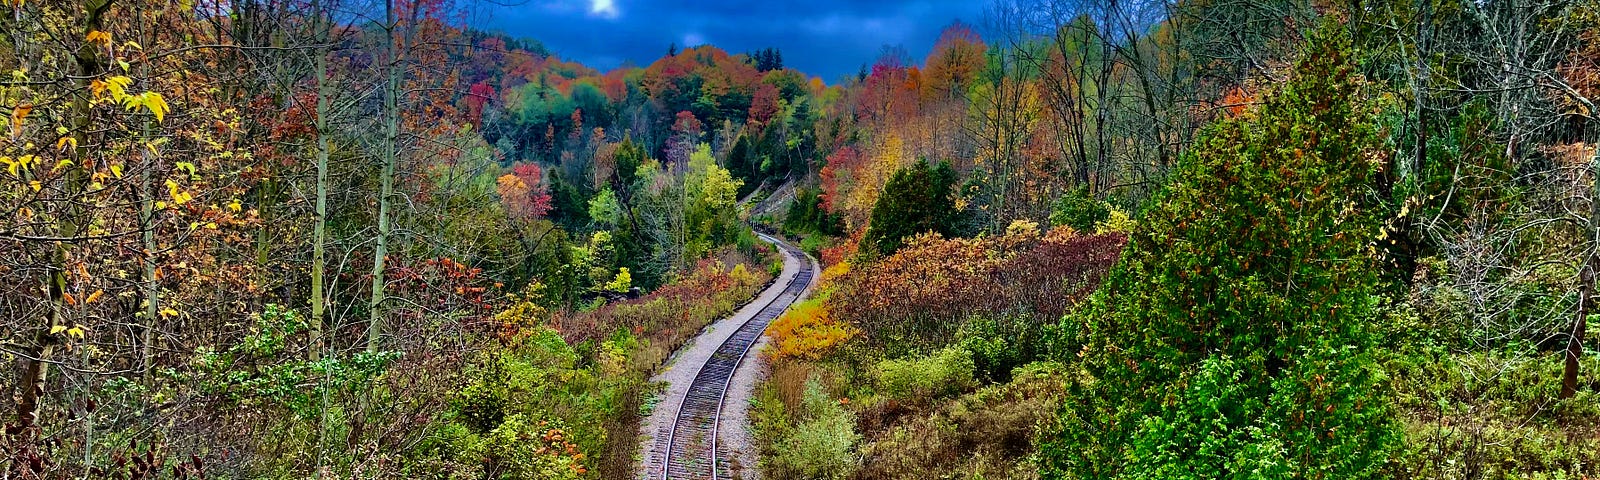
(829, 38)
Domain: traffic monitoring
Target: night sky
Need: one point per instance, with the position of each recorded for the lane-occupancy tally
(830, 38)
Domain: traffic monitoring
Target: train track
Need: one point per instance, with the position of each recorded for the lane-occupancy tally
(692, 441)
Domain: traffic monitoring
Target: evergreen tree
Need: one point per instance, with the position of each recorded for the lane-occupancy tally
(917, 199)
(1230, 340)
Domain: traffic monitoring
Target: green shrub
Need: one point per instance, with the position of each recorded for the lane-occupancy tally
(820, 447)
(1000, 343)
(946, 372)
(917, 199)
(521, 448)
(1079, 210)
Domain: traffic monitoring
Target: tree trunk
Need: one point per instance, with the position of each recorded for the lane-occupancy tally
(319, 230)
(391, 119)
(36, 368)
(1569, 374)
(152, 288)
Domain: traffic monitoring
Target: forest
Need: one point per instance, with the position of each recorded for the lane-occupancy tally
(1246, 239)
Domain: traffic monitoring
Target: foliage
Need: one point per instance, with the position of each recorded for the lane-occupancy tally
(807, 331)
(1216, 353)
(822, 446)
(916, 200)
(988, 433)
(1079, 210)
(918, 296)
(806, 215)
(946, 372)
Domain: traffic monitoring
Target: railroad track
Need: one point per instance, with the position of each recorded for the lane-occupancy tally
(692, 441)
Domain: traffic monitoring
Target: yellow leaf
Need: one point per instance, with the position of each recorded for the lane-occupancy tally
(116, 170)
(234, 205)
(65, 141)
(36, 185)
(57, 329)
(118, 86)
(76, 331)
(94, 296)
(99, 37)
(64, 163)
(156, 104)
(169, 312)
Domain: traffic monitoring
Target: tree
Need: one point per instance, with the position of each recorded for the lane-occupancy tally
(1232, 340)
(916, 199)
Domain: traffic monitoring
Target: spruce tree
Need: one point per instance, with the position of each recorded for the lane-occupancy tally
(917, 199)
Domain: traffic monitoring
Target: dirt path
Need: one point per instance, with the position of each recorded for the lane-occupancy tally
(735, 439)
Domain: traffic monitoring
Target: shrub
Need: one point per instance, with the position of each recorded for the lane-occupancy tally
(946, 372)
(806, 215)
(807, 331)
(1080, 210)
(917, 199)
(915, 298)
(1000, 343)
(823, 445)
(988, 433)
(520, 448)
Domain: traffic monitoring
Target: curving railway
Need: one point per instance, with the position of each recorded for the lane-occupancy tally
(691, 446)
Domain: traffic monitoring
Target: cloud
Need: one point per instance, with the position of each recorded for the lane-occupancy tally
(606, 9)
(829, 38)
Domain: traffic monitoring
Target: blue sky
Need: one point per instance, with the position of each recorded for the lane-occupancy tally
(829, 38)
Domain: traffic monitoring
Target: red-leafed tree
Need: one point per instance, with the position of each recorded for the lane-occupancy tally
(523, 193)
(764, 105)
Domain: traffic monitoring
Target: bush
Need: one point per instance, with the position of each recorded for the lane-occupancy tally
(916, 298)
(1079, 210)
(806, 215)
(823, 445)
(917, 199)
(1001, 343)
(807, 331)
(523, 449)
(946, 372)
(988, 433)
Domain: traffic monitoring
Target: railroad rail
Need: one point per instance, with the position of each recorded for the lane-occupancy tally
(692, 442)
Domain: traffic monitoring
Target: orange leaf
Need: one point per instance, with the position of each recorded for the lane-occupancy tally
(17, 114)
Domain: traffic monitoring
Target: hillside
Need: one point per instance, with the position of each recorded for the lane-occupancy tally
(1185, 239)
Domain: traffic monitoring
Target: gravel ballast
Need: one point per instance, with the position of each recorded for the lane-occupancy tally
(735, 439)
